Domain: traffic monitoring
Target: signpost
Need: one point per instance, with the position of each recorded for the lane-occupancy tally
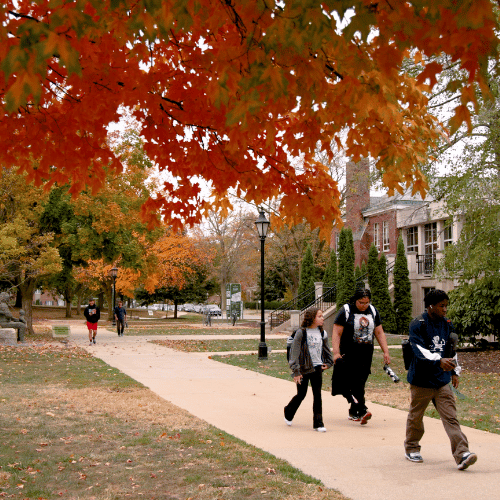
(234, 304)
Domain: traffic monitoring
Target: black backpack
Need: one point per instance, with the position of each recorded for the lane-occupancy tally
(406, 346)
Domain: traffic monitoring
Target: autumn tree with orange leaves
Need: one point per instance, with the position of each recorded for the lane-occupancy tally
(105, 226)
(228, 93)
(169, 261)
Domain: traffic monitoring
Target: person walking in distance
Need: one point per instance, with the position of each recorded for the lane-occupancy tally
(310, 355)
(92, 314)
(120, 317)
(433, 365)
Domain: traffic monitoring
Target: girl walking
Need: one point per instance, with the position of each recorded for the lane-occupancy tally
(309, 356)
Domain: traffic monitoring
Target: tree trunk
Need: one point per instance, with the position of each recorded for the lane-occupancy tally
(79, 294)
(19, 299)
(68, 297)
(223, 296)
(100, 300)
(27, 288)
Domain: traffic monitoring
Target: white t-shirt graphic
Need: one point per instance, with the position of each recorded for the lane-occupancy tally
(363, 328)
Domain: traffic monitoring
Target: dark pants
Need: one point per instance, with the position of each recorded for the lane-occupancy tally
(444, 400)
(316, 379)
(358, 407)
(120, 326)
(359, 364)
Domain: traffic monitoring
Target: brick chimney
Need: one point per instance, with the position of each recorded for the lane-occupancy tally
(358, 199)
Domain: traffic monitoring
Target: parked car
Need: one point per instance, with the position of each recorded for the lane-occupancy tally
(189, 307)
(213, 310)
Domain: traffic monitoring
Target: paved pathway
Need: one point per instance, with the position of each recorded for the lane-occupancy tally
(362, 462)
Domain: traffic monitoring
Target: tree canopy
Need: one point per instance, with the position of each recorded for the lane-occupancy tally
(228, 93)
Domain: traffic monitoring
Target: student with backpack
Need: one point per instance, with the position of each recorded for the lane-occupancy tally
(310, 355)
(354, 330)
(433, 366)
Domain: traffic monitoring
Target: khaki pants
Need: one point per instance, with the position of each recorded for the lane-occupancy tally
(444, 400)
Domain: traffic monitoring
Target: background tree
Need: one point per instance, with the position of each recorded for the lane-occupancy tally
(274, 287)
(359, 277)
(106, 224)
(466, 172)
(403, 304)
(384, 306)
(196, 287)
(67, 70)
(233, 242)
(346, 283)
(285, 251)
(374, 278)
(330, 276)
(475, 309)
(27, 252)
(307, 274)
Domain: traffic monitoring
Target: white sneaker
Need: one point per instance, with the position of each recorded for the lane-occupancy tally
(320, 429)
(288, 422)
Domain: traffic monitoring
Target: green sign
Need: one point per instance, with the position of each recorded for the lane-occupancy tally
(234, 304)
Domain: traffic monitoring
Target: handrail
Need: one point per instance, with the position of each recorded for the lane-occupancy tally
(282, 313)
(324, 302)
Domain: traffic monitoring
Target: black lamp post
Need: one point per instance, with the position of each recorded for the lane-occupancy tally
(114, 273)
(262, 226)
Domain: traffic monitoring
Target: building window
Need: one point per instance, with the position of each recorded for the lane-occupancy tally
(448, 233)
(376, 235)
(430, 238)
(412, 239)
(385, 236)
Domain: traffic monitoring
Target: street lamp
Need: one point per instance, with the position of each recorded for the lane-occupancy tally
(114, 273)
(262, 226)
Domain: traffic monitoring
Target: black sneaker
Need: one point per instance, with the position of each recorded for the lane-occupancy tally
(93, 341)
(468, 459)
(355, 418)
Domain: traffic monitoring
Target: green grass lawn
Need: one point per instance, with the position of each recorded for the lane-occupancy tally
(220, 345)
(169, 329)
(73, 427)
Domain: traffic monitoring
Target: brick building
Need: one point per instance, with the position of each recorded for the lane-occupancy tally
(425, 227)
(46, 299)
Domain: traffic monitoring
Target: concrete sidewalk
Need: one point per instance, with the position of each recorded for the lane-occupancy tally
(362, 462)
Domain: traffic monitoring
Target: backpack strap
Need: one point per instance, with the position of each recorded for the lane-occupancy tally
(347, 311)
(373, 310)
(423, 328)
(324, 335)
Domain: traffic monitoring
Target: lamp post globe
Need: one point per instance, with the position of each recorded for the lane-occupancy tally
(262, 225)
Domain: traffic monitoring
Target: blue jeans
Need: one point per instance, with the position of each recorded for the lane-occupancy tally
(316, 379)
